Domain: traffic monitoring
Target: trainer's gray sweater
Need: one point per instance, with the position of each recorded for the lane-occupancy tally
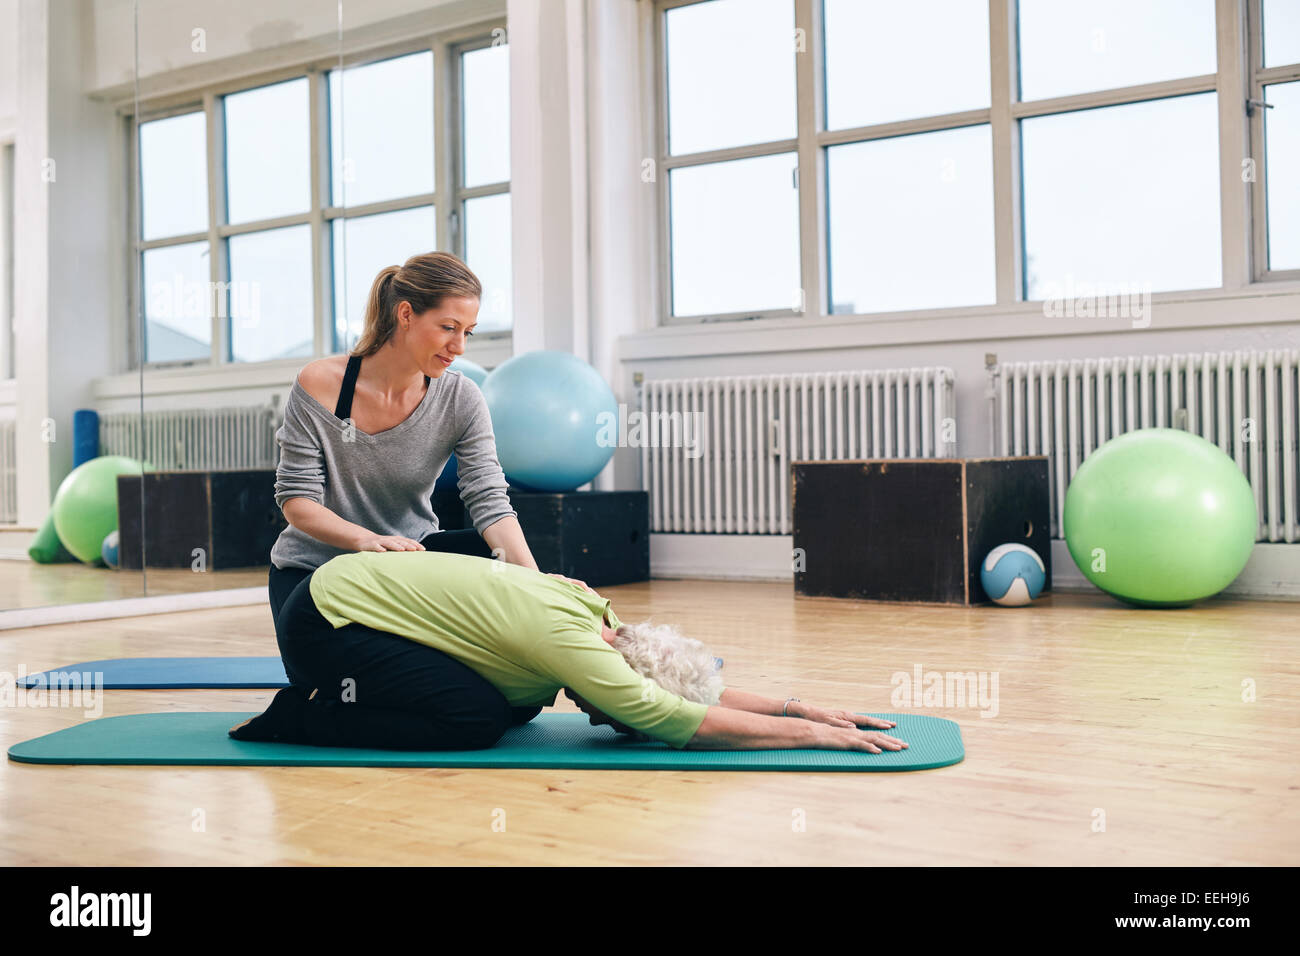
(384, 482)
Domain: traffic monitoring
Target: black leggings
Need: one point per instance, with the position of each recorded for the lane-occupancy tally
(375, 689)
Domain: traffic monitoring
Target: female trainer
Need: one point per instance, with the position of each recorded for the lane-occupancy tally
(366, 435)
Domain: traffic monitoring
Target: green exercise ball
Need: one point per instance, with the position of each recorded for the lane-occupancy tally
(1160, 517)
(85, 506)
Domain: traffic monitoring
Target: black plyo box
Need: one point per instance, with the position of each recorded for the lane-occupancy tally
(231, 515)
(600, 537)
(449, 509)
(914, 530)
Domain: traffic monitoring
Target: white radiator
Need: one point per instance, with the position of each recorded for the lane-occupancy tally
(716, 452)
(1066, 409)
(8, 471)
(217, 438)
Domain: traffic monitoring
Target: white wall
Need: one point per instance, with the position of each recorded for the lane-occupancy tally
(68, 229)
(8, 62)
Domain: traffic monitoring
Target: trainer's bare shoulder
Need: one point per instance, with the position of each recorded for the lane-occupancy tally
(323, 378)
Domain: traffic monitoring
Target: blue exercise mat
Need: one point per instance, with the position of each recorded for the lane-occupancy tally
(566, 741)
(163, 673)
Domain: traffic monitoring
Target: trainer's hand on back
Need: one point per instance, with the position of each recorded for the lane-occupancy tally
(387, 542)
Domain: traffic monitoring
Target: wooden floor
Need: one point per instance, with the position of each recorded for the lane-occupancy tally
(26, 584)
(1106, 715)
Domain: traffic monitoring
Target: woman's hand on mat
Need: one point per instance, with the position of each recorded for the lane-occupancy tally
(840, 738)
(386, 542)
(836, 718)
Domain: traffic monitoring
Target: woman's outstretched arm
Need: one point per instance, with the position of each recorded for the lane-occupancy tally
(726, 729)
(756, 704)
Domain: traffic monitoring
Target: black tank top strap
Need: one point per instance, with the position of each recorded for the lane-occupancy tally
(344, 408)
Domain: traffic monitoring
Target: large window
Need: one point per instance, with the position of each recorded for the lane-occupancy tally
(483, 177)
(175, 271)
(1276, 127)
(901, 169)
(1096, 213)
(382, 177)
(909, 178)
(266, 211)
(733, 218)
(269, 202)
(863, 157)
(1121, 191)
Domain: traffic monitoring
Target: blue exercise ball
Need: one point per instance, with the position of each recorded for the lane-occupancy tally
(474, 372)
(108, 551)
(1013, 575)
(555, 420)
(448, 477)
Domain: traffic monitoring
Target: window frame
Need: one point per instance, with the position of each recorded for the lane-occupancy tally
(1241, 213)
(445, 199)
(459, 192)
(1261, 76)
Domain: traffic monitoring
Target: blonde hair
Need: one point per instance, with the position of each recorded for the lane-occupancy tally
(424, 281)
(680, 665)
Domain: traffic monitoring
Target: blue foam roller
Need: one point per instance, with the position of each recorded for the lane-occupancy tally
(85, 436)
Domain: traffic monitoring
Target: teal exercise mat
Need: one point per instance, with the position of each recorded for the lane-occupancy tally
(166, 673)
(565, 741)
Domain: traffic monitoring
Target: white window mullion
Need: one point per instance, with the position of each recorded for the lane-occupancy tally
(321, 244)
(809, 98)
(1006, 151)
(136, 341)
(665, 257)
(445, 113)
(1233, 85)
(218, 266)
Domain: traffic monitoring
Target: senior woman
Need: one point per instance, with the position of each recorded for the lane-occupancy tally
(365, 436)
(408, 650)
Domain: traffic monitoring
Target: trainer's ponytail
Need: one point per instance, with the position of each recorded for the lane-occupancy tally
(424, 281)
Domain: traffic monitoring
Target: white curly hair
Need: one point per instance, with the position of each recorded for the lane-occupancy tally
(680, 665)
